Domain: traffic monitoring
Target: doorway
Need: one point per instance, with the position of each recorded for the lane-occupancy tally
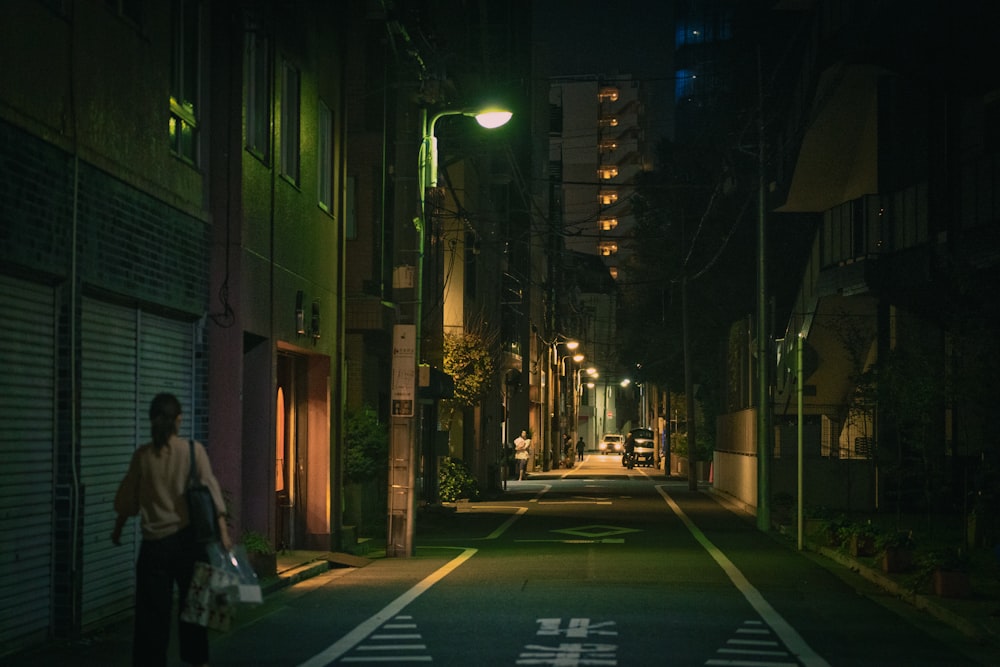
(291, 449)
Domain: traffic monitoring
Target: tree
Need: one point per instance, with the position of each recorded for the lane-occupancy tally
(469, 358)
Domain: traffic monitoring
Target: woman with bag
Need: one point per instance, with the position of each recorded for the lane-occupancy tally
(154, 488)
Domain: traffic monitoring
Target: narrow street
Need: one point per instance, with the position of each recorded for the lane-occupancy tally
(596, 565)
(593, 566)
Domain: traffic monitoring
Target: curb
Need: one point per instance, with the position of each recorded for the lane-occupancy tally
(921, 602)
(322, 563)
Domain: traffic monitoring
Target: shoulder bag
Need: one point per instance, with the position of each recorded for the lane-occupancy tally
(202, 513)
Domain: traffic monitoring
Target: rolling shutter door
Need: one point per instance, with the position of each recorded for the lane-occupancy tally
(128, 357)
(27, 402)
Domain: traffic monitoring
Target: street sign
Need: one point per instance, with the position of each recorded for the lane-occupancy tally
(404, 369)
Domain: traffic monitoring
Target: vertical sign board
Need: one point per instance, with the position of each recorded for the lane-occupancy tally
(404, 367)
(401, 443)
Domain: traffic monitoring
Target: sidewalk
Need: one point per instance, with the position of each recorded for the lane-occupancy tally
(111, 645)
(976, 617)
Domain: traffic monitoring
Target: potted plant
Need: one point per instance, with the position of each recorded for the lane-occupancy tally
(951, 574)
(263, 558)
(859, 538)
(897, 550)
(945, 570)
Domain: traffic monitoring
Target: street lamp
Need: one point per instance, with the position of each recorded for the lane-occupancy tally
(578, 392)
(489, 118)
(554, 392)
(406, 355)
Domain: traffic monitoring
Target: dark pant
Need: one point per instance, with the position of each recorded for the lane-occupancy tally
(161, 564)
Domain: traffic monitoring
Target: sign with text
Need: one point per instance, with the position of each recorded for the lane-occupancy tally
(404, 369)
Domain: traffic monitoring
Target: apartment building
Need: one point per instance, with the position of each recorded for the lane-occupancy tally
(172, 220)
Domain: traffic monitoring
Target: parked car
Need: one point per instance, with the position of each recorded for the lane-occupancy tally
(611, 443)
(645, 446)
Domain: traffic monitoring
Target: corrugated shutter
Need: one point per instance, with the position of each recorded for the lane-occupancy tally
(128, 357)
(27, 403)
(107, 439)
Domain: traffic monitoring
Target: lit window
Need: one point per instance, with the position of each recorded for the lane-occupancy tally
(608, 172)
(608, 95)
(607, 248)
(290, 122)
(607, 224)
(183, 124)
(613, 270)
(608, 121)
(608, 145)
(608, 197)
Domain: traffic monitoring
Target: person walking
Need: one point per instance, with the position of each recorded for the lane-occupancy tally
(580, 447)
(522, 449)
(153, 488)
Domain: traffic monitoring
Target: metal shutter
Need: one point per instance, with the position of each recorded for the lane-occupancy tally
(128, 357)
(27, 403)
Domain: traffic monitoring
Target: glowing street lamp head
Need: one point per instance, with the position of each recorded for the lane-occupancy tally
(493, 118)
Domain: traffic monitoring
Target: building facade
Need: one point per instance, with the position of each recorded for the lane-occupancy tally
(172, 220)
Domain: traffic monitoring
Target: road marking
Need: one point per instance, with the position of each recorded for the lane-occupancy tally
(507, 524)
(791, 638)
(577, 628)
(606, 540)
(595, 531)
(388, 613)
(572, 654)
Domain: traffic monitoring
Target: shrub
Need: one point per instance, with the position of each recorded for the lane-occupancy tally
(367, 445)
(455, 481)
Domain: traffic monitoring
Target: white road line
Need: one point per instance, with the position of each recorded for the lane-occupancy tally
(389, 612)
(507, 524)
(793, 641)
(748, 663)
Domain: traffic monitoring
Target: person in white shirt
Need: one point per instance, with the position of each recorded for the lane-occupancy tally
(522, 449)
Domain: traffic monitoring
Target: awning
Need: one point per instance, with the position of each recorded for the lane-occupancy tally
(838, 159)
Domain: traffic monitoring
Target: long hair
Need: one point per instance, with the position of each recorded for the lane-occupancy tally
(163, 413)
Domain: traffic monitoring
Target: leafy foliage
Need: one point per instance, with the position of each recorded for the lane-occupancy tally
(367, 445)
(469, 359)
(456, 481)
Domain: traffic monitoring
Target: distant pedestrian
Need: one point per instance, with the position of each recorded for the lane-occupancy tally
(580, 447)
(522, 450)
(628, 459)
(153, 488)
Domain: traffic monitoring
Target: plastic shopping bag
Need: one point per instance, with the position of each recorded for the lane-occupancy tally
(208, 602)
(243, 584)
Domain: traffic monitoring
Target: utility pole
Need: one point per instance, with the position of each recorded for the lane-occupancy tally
(692, 422)
(763, 356)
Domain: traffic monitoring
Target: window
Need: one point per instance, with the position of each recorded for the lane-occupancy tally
(185, 33)
(290, 122)
(258, 72)
(607, 224)
(324, 160)
(607, 145)
(607, 197)
(613, 270)
(608, 95)
(607, 172)
(608, 121)
(607, 248)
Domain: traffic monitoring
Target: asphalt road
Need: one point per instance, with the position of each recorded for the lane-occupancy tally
(595, 566)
